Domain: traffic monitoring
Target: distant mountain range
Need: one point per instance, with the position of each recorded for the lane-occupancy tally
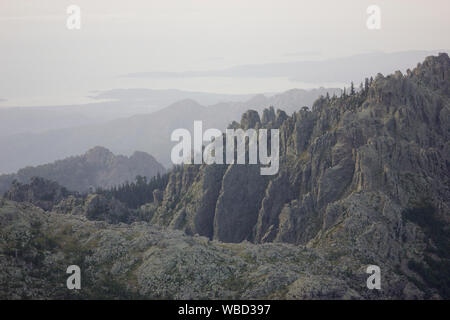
(147, 132)
(111, 105)
(96, 168)
(342, 70)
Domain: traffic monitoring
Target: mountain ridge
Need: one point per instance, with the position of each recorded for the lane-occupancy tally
(97, 168)
(330, 142)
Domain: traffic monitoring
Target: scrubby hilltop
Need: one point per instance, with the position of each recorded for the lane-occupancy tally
(135, 261)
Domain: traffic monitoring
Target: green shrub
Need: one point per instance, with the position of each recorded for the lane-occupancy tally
(434, 272)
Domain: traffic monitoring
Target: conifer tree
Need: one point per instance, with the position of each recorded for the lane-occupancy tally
(366, 85)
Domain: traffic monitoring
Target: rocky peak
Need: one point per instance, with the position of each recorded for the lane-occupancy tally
(434, 73)
(98, 155)
(268, 115)
(250, 119)
(271, 119)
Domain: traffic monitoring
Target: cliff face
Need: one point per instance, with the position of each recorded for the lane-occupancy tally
(385, 147)
(351, 171)
(96, 168)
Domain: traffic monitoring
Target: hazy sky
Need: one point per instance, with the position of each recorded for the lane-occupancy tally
(43, 62)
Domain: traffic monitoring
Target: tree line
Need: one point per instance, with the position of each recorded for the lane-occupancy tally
(134, 194)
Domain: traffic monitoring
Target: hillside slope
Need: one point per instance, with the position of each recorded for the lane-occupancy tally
(98, 167)
(143, 261)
